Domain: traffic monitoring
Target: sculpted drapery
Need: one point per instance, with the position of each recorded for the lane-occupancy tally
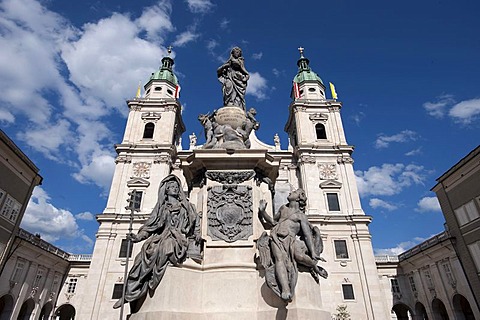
(233, 76)
(166, 231)
(293, 241)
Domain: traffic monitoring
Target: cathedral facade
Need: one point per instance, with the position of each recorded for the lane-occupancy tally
(226, 179)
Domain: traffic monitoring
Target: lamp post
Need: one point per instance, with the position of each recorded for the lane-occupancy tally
(133, 205)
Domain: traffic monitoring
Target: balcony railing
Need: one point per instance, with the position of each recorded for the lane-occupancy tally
(37, 241)
(386, 259)
(80, 257)
(424, 245)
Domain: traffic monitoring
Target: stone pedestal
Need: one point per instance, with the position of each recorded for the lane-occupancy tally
(229, 283)
(233, 116)
(222, 293)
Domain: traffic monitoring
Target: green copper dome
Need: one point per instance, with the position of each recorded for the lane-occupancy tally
(304, 71)
(165, 72)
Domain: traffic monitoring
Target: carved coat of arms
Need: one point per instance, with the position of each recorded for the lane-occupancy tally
(230, 212)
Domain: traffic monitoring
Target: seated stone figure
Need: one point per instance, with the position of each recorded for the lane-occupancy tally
(167, 233)
(293, 240)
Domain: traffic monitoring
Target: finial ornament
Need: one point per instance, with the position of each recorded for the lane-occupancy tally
(301, 49)
(169, 50)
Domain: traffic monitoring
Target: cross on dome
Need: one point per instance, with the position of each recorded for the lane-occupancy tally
(301, 49)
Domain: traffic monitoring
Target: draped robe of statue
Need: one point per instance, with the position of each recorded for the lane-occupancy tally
(293, 241)
(167, 230)
(233, 76)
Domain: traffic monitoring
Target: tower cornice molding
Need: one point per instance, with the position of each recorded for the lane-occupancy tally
(340, 219)
(123, 159)
(334, 108)
(306, 159)
(344, 159)
(148, 103)
(168, 148)
(151, 116)
(332, 148)
(318, 116)
(317, 103)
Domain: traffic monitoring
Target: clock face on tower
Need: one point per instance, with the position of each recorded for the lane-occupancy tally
(328, 171)
(141, 170)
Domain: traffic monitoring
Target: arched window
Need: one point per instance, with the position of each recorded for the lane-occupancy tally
(6, 306)
(320, 131)
(65, 312)
(148, 132)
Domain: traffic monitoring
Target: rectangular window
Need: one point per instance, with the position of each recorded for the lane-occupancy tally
(474, 249)
(466, 213)
(412, 283)
(448, 273)
(56, 281)
(471, 210)
(135, 200)
(38, 277)
(138, 199)
(341, 251)
(348, 292)
(11, 209)
(72, 285)
(428, 279)
(395, 285)
(461, 216)
(18, 273)
(2, 195)
(333, 204)
(117, 291)
(124, 247)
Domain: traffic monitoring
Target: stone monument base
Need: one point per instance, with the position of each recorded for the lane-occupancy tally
(224, 293)
(233, 116)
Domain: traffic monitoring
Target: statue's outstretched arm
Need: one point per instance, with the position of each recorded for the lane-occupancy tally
(140, 236)
(262, 213)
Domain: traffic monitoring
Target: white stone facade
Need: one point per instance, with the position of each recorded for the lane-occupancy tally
(428, 282)
(32, 278)
(318, 160)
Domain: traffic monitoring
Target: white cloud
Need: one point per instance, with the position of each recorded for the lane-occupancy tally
(211, 45)
(99, 171)
(29, 38)
(224, 23)
(257, 86)
(89, 241)
(376, 203)
(155, 20)
(199, 6)
(50, 222)
(389, 179)
(34, 39)
(400, 248)
(58, 134)
(87, 216)
(97, 60)
(384, 141)
(414, 152)
(358, 117)
(466, 111)
(257, 56)
(428, 204)
(185, 37)
(438, 108)
(6, 116)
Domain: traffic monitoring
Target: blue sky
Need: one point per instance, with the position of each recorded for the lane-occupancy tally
(406, 72)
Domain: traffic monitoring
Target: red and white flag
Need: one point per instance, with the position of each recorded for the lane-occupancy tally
(177, 91)
(296, 91)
